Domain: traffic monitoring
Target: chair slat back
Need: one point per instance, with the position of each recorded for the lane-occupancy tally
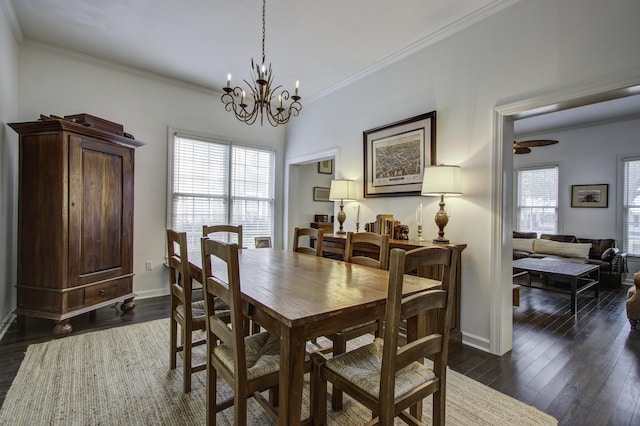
(178, 262)
(299, 233)
(368, 239)
(400, 308)
(224, 257)
(207, 230)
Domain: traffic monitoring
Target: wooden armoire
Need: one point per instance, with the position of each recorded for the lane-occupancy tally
(75, 220)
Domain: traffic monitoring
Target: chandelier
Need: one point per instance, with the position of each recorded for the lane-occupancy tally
(277, 104)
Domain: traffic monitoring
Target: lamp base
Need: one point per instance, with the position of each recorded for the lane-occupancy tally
(441, 221)
(342, 216)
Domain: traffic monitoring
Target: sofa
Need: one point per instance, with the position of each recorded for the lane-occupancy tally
(569, 248)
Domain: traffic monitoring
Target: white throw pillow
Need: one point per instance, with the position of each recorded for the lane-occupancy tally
(523, 244)
(579, 250)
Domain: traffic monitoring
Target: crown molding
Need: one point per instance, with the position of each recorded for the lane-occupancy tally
(422, 43)
(10, 17)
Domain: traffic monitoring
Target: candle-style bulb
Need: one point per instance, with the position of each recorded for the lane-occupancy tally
(297, 85)
(229, 80)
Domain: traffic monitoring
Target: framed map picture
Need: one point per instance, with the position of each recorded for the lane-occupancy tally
(396, 154)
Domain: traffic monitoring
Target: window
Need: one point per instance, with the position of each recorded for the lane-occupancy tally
(631, 206)
(216, 182)
(537, 200)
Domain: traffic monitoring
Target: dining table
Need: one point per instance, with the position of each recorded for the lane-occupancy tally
(300, 297)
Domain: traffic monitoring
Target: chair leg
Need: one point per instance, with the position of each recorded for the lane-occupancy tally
(439, 408)
(240, 408)
(416, 411)
(211, 395)
(173, 342)
(186, 351)
(339, 347)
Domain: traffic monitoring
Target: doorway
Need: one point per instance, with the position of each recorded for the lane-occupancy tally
(501, 320)
(300, 189)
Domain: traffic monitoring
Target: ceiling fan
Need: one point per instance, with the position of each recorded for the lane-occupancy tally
(524, 147)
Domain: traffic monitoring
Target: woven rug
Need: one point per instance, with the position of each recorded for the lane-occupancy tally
(120, 376)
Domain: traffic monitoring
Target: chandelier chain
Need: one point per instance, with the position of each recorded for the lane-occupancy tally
(264, 12)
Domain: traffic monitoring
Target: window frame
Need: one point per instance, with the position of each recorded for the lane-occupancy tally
(516, 203)
(624, 206)
(230, 198)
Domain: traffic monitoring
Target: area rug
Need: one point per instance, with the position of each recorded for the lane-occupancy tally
(120, 376)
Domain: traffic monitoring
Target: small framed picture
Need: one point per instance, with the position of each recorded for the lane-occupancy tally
(325, 167)
(320, 193)
(590, 195)
(321, 218)
(263, 242)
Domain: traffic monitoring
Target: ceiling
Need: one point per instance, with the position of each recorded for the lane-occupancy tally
(623, 108)
(320, 43)
(323, 44)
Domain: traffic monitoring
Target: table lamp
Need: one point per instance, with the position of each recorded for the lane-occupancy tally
(441, 180)
(342, 189)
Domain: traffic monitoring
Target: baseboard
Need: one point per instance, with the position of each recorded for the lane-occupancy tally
(477, 342)
(147, 294)
(5, 324)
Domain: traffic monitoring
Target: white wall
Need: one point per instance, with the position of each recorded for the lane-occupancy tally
(586, 156)
(53, 82)
(527, 49)
(8, 171)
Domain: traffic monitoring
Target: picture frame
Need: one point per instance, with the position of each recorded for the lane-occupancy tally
(321, 193)
(321, 218)
(396, 154)
(590, 196)
(263, 242)
(325, 167)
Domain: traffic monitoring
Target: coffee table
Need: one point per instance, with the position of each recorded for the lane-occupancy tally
(580, 276)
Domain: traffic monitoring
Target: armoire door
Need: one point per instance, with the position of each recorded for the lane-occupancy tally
(100, 210)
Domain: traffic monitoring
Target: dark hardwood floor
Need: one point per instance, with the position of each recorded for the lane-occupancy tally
(583, 370)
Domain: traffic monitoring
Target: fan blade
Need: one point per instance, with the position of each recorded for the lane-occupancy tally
(521, 150)
(537, 142)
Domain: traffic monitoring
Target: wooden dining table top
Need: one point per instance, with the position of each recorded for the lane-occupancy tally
(298, 288)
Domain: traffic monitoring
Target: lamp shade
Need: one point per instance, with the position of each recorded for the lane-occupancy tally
(442, 180)
(342, 189)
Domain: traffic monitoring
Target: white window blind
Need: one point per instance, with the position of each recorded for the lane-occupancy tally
(537, 200)
(221, 183)
(631, 206)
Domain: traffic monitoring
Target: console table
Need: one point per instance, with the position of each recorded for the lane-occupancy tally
(334, 245)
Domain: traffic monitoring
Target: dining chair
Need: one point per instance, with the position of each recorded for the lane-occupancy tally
(249, 364)
(300, 234)
(207, 230)
(359, 243)
(374, 244)
(187, 313)
(384, 377)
